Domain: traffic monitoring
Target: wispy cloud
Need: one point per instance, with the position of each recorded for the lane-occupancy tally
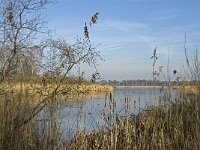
(166, 17)
(111, 43)
(122, 25)
(165, 14)
(194, 27)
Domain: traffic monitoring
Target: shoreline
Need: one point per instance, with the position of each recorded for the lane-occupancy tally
(49, 87)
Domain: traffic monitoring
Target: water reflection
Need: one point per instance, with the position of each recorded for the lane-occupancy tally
(89, 113)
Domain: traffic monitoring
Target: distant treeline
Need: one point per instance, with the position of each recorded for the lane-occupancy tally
(137, 83)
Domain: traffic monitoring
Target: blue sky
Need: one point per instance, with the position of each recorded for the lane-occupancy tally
(129, 30)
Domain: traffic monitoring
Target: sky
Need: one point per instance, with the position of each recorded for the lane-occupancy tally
(128, 31)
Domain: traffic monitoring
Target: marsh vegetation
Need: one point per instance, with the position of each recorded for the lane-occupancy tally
(37, 93)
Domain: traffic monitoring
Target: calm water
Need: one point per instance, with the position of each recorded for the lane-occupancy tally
(88, 114)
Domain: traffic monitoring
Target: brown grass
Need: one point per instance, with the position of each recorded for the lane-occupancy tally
(175, 128)
(175, 125)
(18, 102)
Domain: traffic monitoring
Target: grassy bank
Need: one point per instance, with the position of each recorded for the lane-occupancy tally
(189, 89)
(172, 125)
(65, 92)
(33, 87)
(21, 102)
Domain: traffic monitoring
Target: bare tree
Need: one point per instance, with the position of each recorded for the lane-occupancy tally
(20, 26)
(65, 57)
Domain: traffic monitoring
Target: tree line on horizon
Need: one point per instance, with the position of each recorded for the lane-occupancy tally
(140, 82)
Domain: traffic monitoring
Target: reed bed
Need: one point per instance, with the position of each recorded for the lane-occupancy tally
(20, 129)
(176, 126)
(34, 87)
(189, 89)
(171, 125)
(66, 92)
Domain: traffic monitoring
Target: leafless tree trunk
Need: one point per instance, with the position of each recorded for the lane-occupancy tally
(20, 26)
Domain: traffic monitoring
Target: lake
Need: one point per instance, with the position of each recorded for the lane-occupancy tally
(96, 109)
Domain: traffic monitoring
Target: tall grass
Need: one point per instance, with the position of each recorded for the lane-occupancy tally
(15, 131)
(177, 127)
(22, 126)
(173, 127)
